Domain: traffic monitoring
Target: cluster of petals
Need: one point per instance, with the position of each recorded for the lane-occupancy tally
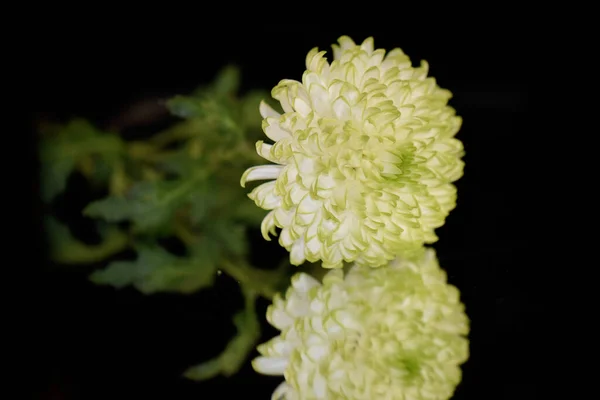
(397, 332)
(362, 158)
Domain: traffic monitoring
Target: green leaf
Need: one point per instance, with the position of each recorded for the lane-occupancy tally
(218, 113)
(149, 205)
(215, 104)
(54, 177)
(227, 81)
(231, 236)
(263, 282)
(180, 163)
(111, 209)
(60, 153)
(204, 105)
(157, 270)
(203, 200)
(188, 107)
(237, 350)
(102, 171)
(66, 249)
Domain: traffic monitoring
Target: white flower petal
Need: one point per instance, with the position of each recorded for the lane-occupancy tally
(320, 99)
(279, 318)
(308, 205)
(302, 107)
(260, 173)
(275, 132)
(282, 392)
(320, 387)
(297, 252)
(268, 225)
(367, 45)
(267, 111)
(270, 365)
(265, 197)
(342, 109)
(303, 282)
(264, 150)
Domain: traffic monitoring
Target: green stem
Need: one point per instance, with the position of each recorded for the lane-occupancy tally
(183, 233)
(249, 278)
(259, 281)
(232, 358)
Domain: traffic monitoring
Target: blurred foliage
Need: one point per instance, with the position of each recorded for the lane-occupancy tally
(181, 182)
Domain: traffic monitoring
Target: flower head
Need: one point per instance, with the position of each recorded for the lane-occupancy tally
(388, 333)
(364, 156)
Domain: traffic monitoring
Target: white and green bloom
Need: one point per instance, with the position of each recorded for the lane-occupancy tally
(364, 158)
(397, 332)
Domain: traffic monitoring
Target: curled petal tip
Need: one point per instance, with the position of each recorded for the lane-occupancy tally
(266, 111)
(243, 179)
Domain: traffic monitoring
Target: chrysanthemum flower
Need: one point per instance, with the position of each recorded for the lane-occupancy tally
(364, 156)
(397, 332)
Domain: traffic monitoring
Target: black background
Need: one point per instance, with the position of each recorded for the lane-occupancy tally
(100, 343)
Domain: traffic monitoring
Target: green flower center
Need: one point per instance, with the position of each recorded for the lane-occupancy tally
(409, 364)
